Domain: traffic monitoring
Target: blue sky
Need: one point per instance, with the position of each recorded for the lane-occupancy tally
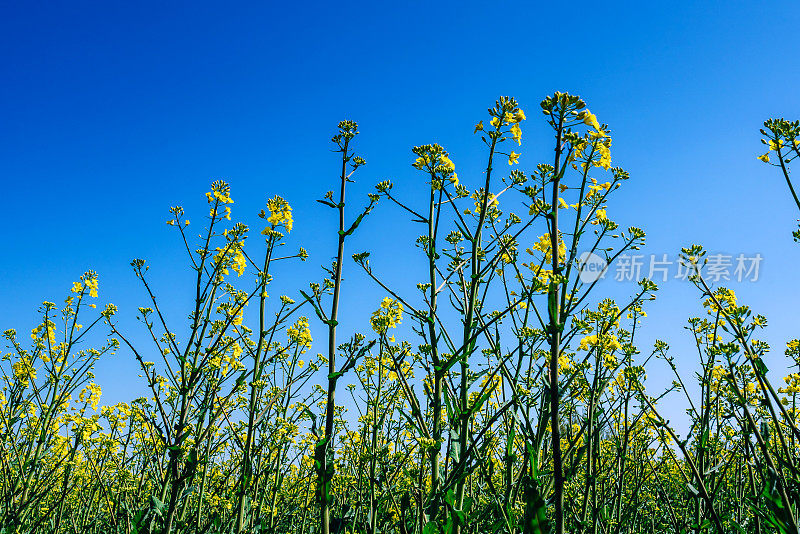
(111, 113)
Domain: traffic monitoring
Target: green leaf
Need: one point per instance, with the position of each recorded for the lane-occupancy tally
(510, 440)
(157, 504)
(535, 518)
(761, 368)
(314, 305)
(478, 403)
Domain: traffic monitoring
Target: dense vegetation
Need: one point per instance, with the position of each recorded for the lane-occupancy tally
(515, 401)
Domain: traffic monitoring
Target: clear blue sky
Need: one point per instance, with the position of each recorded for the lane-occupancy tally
(110, 113)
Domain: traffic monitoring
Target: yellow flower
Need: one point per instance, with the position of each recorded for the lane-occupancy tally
(775, 146)
(280, 213)
(447, 163)
(600, 215)
(605, 156)
(478, 127)
(239, 262)
(544, 245)
(300, 333)
(513, 158)
(519, 116)
(389, 315)
(608, 343)
(562, 203)
(516, 133)
(95, 393)
(495, 122)
(598, 134)
(91, 284)
(591, 120)
(220, 191)
(764, 157)
(24, 371)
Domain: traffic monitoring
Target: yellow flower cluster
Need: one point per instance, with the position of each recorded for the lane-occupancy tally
(24, 372)
(280, 214)
(792, 384)
(491, 202)
(389, 315)
(516, 133)
(506, 112)
(239, 262)
(300, 333)
(598, 140)
(94, 392)
(91, 285)
(220, 192)
(435, 160)
(48, 328)
(231, 256)
(544, 245)
(607, 343)
(724, 296)
(509, 117)
(88, 281)
(774, 146)
(605, 156)
(537, 265)
(219, 195)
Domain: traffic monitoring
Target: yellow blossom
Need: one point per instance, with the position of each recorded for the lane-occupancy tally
(91, 284)
(280, 213)
(590, 119)
(600, 216)
(300, 333)
(389, 315)
(24, 371)
(239, 262)
(516, 134)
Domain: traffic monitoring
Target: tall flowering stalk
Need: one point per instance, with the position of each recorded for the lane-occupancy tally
(324, 450)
